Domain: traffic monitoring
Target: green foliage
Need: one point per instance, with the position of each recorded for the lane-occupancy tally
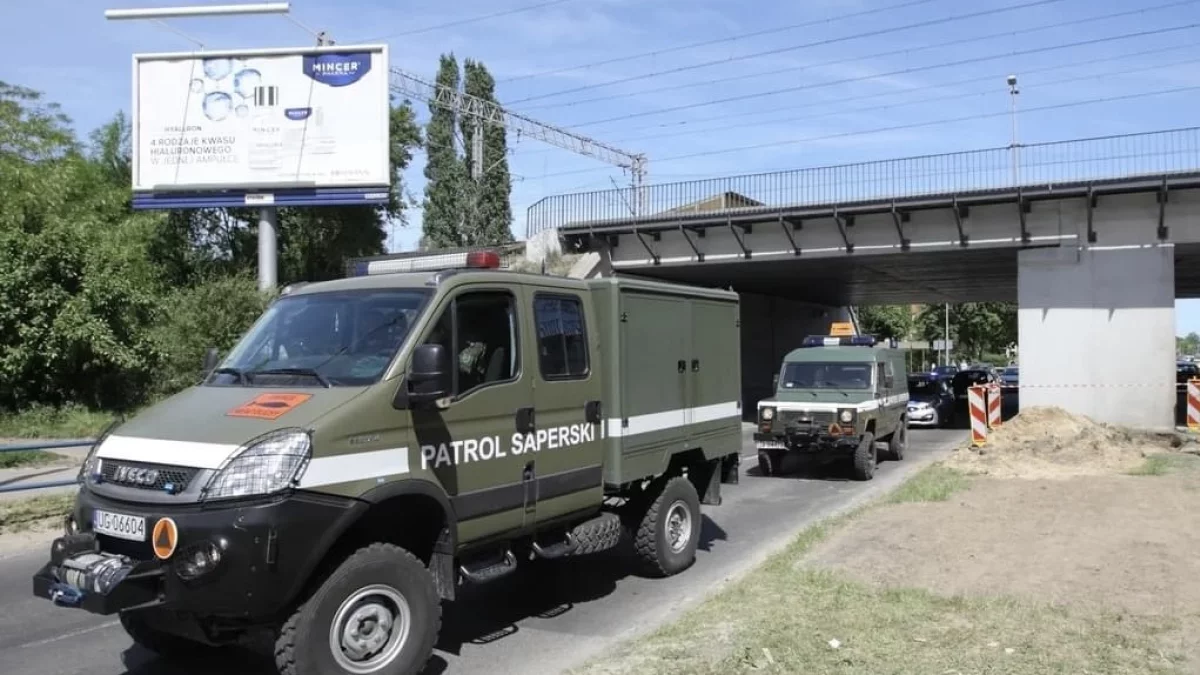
(1187, 345)
(886, 322)
(212, 313)
(976, 328)
(488, 213)
(445, 173)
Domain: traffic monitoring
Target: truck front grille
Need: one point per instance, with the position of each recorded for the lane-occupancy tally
(144, 476)
(803, 420)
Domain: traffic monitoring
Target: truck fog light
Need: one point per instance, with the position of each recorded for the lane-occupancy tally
(847, 416)
(198, 560)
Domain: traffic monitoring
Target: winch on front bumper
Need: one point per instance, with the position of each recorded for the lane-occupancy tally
(244, 560)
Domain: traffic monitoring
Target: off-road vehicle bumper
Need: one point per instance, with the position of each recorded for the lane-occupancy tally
(241, 560)
(807, 441)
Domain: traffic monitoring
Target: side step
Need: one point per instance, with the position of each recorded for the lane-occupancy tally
(558, 549)
(489, 570)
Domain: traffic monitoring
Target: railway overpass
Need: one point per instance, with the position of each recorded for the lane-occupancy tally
(1093, 238)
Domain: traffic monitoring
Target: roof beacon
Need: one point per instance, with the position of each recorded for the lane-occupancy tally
(843, 341)
(483, 260)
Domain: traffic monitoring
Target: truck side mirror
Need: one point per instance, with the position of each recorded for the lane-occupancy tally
(429, 374)
(211, 358)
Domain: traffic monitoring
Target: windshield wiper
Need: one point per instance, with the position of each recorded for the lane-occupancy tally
(294, 371)
(241, 376)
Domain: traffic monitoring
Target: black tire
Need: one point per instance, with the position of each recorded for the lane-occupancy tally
(651, 541)
(865, 458)
(597, 535)
(168, 646)
(303, 646)
(898, 443)
(768, 463)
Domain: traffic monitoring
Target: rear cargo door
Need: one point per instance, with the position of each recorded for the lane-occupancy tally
(655, 345)
(714, 370)
(565, 448)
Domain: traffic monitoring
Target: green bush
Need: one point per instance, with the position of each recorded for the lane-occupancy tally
(213, 313)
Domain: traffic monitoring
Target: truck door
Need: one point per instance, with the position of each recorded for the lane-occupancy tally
(566, 443)
(467, 445)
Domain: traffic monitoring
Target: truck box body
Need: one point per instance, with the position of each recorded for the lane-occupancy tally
(674, 374)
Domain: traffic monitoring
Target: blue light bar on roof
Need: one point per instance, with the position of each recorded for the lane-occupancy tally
(843, 341)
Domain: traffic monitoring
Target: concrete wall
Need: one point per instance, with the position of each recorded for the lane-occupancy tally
(772, 327)
(1097, 332)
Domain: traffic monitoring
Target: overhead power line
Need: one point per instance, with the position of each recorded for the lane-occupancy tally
(780, 50)
(717, 41)
(469, 20)
(897, 127)
(902, 71)
(894, 52)
(875, 95)
(922, 101)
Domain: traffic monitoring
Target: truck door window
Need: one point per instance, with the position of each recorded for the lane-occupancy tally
(562, 337)
(479, 331)
(880, 376)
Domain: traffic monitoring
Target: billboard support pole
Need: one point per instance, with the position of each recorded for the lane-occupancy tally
(268, 251)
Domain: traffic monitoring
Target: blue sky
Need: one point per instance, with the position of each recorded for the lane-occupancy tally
(67, 49)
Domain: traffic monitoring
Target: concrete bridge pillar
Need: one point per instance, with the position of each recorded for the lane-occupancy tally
(1097, 332)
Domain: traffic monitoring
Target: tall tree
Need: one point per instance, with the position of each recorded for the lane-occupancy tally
(444, 171)
(886, 322)
(976, 328)
(488, 210)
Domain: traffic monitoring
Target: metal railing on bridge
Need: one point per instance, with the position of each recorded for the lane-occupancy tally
(1174, 151)
(18, 484)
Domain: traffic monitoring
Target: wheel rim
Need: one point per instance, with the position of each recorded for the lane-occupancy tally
(679, 526)
(369, 629)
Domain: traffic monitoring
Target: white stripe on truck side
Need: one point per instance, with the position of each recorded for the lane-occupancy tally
(671, 419)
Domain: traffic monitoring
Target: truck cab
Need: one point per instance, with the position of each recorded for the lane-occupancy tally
(373, 443)
(835, 399)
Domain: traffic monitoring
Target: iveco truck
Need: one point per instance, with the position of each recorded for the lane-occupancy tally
(373, 443)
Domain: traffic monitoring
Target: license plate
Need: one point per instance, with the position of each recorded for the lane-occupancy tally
(772, 444)
(119, 525)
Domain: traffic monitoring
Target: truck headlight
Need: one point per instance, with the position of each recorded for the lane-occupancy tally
(266, 465)
(768, 414)
(91, 463)
(847, 416)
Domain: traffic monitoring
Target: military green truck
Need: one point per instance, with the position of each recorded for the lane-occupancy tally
(835, 399)
(375, 442)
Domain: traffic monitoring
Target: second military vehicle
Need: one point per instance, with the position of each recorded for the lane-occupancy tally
(372, 443)
(836, 398)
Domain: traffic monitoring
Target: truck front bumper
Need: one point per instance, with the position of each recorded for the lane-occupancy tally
(241, 560)
(813, 442)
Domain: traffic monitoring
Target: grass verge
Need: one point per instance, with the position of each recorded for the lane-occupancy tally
(788, 616)
(42, 422)
(934, 483)
(24, 458)
(21, 514)
(1165, 463)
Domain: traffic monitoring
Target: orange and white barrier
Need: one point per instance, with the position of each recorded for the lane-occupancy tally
(977, 409)
(1193, 404)
(994, 407)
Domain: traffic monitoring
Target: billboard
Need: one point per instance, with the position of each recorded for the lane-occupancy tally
(258, 127)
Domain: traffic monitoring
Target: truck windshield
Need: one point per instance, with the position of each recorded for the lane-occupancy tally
(826, 376)
(339, 338)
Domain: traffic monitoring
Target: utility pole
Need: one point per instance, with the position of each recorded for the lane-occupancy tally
(946, 339)
(1016, 157)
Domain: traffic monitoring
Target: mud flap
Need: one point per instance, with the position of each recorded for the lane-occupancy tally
(707, 479)
(730, 468)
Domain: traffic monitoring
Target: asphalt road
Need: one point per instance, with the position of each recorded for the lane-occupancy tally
(523, 624)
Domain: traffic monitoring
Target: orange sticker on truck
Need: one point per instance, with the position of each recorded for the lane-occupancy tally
(269, 406)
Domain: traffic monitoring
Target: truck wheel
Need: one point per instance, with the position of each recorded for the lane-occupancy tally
(598, 534)
(669, 531)
(166, 645)
(899, 441)
(378, 612)
(864, 457)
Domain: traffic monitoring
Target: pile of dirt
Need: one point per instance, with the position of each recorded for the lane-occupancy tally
(1049, 442)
